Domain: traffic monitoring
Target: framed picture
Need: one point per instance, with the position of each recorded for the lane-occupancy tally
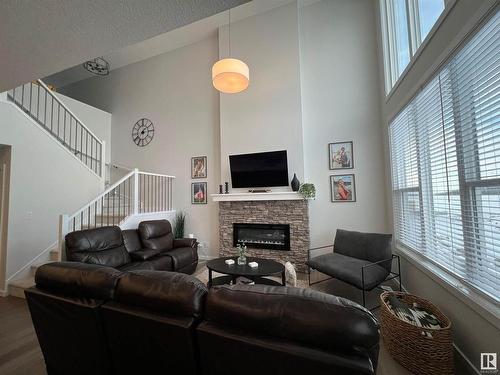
(340, 155)
(199, 167)
(199, 193)
(343, 188)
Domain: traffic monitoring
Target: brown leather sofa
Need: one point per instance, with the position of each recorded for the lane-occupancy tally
(151, 247)
(91, 319)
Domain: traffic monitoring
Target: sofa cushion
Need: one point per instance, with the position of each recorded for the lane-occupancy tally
(131, 240)
(72, 279)
(102, 246)
(300, 315)
(185, 242)
(137, 266)
(156, 234)
(144, 254)
(348, 269)
(164, 292)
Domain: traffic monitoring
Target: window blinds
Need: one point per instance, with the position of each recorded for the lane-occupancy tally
(445, 159)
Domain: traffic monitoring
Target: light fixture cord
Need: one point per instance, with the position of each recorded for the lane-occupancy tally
(229, 32)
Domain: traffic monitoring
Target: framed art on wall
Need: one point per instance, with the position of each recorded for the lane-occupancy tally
(343, 188)
(199, 193)
(199, 167)
(340, 155)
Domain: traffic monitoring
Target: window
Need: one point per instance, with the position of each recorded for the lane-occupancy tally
(445, 161)
(405, 24)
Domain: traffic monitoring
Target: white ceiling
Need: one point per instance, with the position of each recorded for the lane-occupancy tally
(42, 37)
(171, 40)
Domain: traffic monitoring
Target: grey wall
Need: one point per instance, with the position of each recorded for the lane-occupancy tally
(175, 92)
(340, 88)
(46, 180)
(266, 116)
(476, 329)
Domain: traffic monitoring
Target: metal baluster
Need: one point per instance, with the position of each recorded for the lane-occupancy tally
(91, 153)
(22, 97)
(81, 141)
(38, 102)
(58, 121)
(102, 209)
(81, 220)
(64, 128)
(45, 110)
(143, 192)
(31, 92)
(88, 218)
(86, 148)
(107, 197)
(95, 214)
(51, 114)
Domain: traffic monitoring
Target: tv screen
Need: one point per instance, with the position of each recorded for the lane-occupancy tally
(263, 169)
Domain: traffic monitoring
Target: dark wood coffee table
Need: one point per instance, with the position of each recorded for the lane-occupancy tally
(267, 267)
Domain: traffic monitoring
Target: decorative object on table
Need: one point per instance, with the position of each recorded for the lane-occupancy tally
(199, 167)
(295, 184)
(242, 251)
(229, 261)
(226, 187)
(308, 191)
(179, 221)
(143, 132)
(340, 155)
(98, 66)
(230, 75)
(253, 264)
(199, 193)
(221, 190)
(342, 188)
(426, 349)
(290, 274)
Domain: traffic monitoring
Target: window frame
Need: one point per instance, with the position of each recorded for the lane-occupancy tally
(388, 40)
(485, 304)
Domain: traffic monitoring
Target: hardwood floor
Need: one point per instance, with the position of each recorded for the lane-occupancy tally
(20, 353)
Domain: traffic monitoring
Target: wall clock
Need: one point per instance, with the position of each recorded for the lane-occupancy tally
(143, 132)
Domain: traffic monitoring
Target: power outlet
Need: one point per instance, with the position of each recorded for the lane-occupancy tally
(29, 215)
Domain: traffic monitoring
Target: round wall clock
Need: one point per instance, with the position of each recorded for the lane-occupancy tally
(143, 132)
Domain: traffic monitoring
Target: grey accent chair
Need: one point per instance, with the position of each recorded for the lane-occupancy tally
(363, 260)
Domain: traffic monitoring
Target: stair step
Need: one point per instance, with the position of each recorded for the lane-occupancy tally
(35, 266)
(54, 255)
(17, 287)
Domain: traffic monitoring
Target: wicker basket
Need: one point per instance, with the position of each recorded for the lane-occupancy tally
(421, 354)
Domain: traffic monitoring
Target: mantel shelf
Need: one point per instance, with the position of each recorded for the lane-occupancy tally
(270, 196)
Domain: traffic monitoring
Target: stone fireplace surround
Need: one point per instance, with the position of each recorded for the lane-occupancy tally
(294, 212)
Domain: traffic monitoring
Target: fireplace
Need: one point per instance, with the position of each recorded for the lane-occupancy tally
(262, 236)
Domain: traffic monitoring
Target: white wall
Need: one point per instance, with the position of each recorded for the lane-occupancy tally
(97, 120)
(175, 92)
(475, 330)
(266, 116)
(340, 88)
(46, 180)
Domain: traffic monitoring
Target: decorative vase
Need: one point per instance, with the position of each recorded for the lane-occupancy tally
(295, 183)
(242, 260)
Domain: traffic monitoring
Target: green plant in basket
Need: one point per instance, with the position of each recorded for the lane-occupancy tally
(307, 190)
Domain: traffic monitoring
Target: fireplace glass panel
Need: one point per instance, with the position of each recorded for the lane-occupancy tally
(262, 236)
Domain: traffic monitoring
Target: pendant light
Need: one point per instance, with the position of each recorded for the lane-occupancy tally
(230, 75)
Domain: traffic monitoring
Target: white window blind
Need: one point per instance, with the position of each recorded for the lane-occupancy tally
(445, 155)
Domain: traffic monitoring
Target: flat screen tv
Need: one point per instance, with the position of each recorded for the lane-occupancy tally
(263, 169)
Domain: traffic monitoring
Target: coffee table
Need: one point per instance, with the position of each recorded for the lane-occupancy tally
(267, 267)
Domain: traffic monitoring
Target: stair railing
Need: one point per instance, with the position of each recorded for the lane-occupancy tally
(47, 110)
(136, 192)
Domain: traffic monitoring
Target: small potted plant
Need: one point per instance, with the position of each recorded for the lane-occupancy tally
(180, 219)
(307, 190)
(242, 251)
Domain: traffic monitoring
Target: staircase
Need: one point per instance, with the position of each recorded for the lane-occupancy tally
(135, 194)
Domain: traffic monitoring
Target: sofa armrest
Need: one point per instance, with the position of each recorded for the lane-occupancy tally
(185, 242)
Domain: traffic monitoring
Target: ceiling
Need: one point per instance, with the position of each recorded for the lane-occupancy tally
(42, 37)
(171, 40)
